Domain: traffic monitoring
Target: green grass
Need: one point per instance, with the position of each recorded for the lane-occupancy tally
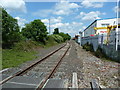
(22, 52)
(49, 44)
(13, 58)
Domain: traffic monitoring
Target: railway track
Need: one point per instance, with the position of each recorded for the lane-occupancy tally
(45, 70)
(51, 61)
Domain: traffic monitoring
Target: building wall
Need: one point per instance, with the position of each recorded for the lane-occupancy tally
(105, 23)
(90, 30)
(99, 40)
(99, 23)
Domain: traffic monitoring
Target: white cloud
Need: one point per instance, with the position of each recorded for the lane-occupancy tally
(61, 8)
(115, 9)
(90, 16)
(13, 5)
(57, 25)
(89, 3)
(52, 20)
(70, 28)
(61, 12)
(56, 20)
(65, 8)
(45, 20)
(43, 13)
(21, 21)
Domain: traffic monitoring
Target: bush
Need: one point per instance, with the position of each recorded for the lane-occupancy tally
(26, 45)
(88, 47)
(50, 41)
(56, 38)
(100, 53)
(65, 36)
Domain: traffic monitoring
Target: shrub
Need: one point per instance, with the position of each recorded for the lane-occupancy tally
(56, 38)
(65, 36)
(100, 53)
(88, 47)
(26, 45)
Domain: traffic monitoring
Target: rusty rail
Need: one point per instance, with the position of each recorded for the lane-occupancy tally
(52, 71)
(31, 66)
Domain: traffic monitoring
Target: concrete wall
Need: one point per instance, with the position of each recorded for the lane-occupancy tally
(90, 30)
(90, 40)
(111, 52)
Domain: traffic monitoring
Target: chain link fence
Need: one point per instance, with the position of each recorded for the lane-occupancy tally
(106, 42)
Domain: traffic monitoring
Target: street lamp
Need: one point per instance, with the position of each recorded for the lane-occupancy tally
(117, 24)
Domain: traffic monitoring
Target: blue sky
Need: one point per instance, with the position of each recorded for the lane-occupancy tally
(69, 17)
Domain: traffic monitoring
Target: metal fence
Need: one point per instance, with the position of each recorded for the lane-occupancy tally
(107, 43)
(100, 40)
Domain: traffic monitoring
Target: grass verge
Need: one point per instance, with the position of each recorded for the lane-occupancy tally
(13, 58)
(22, 52)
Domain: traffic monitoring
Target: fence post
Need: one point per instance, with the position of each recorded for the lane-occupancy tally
(102, 40)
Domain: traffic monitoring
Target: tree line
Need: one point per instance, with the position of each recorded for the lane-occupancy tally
(34, 30)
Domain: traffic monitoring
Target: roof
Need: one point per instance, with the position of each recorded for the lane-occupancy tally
(106, 18)
(90, 24)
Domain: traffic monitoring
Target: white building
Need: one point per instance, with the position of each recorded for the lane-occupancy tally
(90, 31)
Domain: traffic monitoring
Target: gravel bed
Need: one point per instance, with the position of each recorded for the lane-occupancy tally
(46, 66)
(88, 67)
(69, 65)
(105, 72)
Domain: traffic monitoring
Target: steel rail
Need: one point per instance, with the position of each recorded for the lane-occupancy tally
(52, 71)
(31, 66)
(94, 85)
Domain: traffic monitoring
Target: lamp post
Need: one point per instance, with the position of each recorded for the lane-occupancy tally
(117, 24)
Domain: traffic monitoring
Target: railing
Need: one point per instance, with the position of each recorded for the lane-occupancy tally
(100, 40)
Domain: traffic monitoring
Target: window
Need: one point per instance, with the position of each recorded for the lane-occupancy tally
(104, 25)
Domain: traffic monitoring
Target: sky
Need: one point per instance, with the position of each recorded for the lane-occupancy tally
(69, 17)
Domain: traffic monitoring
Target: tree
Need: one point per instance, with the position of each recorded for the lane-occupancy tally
(65, 36)
(10, 30)
(68, 36)
(56, 37)
(56, 31)
(35, 30)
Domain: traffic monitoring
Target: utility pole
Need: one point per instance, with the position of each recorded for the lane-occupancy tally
(117, 24)
(49, 26)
